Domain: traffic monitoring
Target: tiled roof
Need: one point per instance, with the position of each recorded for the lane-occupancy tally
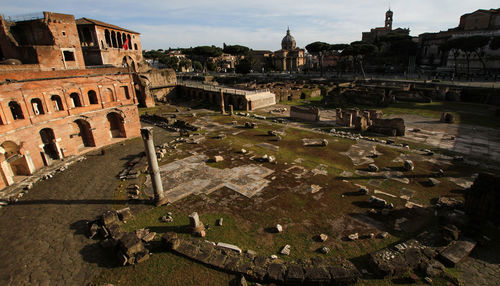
(88, 21)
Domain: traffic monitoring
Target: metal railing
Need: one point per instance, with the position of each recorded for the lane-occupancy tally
(215, 88)
(24, 17)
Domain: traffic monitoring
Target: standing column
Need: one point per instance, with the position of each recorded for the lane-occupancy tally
(231, 111)
(222, 108)
(154, 170)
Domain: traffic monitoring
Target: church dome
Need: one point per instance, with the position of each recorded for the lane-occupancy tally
(288, 42)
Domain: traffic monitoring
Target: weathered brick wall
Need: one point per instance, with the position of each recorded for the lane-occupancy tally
(110, 97)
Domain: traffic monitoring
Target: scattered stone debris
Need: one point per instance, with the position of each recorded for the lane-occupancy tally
(377, 202)
(196, 225)
(433, 182)
(447, 117)
(353, 236)
(408, 165)
(286, 250)
(324, 250)
(219, 222)
(373, 168)
(448, 202)
(323, 237)
(383, 234)
(250, 125)
(314, 142)
(217, 159)
(315, 189)
(124, 214)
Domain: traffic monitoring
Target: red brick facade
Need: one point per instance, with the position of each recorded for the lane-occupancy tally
(47, 117)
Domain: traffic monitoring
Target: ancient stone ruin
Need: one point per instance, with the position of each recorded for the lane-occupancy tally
(370, 120)
(308, 113)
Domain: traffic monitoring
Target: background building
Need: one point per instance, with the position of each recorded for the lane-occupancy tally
(289, 58)
(376, 33)
(479, 23)
(106, 44)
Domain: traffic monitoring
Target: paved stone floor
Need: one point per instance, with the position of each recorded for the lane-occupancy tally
(461, 138)
(192, 175)
(482, 268)
(42, 240)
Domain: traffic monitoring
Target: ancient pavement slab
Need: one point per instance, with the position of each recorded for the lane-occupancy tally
(192, 175)
(360, 152)
(457, 251)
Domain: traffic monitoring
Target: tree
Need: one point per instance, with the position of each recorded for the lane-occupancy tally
(197, 66)
(245, 65)
(319, 49)
(359, 50)
(170, 62)
(206, 52)
(454, 46)
(184, 63)
(236, 50)
(338, 48)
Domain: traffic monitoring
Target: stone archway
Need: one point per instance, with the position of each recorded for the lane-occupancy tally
(116, 125)
(50, 150)
(84, 132)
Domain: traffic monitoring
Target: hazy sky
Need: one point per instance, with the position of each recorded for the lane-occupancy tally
(258, 24)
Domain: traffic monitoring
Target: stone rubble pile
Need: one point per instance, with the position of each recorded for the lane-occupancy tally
(129, 246)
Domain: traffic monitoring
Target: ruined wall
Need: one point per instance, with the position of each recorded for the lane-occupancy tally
(389, 127)
(483, 198)
(305, 113)
(259, 100)
(155, 84)
(46, 101)
(51, 42)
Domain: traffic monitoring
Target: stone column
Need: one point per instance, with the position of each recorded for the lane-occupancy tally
(222, 108)
(231, 111)
(154, 170)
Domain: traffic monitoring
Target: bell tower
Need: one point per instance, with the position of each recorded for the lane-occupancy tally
(388, 20)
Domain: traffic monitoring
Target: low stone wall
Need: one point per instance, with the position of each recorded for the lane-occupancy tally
(315, 271)
(390, 127)
(305, 113)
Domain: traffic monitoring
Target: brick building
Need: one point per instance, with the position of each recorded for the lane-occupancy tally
(377, 33)
(51, 106)
(478, 23)
(106, 44)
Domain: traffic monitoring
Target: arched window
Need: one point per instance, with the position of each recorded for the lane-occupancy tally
(119, 38)
(113, 39)
(17, 112)
(125, 92)
(57, 102)
(107, 95)
(129, 42)
(75, 99)
(107, 36)
(36, 105)
(116, 125)
(92, 97)
(135, 46)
